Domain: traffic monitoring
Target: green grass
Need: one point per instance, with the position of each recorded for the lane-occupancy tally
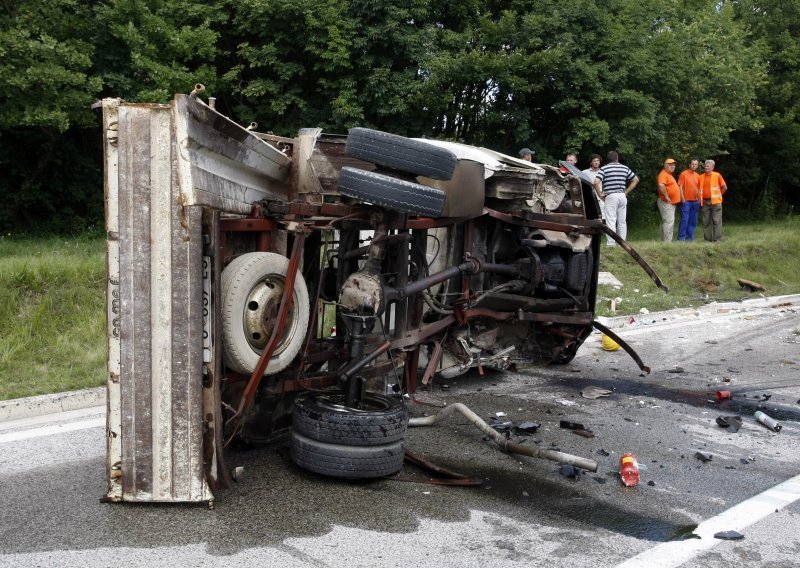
(52, 320)
(698, 272)
(52, 315)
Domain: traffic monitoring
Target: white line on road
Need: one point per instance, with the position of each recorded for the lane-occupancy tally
(51, 430)
(739, 517)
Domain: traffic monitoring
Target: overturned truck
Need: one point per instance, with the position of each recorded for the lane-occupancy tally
(261, 287)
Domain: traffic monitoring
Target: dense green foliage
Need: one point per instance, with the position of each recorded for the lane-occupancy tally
(650, 78)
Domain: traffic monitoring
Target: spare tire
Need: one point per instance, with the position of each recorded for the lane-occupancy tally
(324, 417)
(252, 287)
(401, 153)
(347, 462)
(390, 192)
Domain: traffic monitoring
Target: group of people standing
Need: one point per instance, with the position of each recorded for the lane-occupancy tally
(696, 193)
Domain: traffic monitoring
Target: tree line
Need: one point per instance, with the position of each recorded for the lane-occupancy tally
(649, 78)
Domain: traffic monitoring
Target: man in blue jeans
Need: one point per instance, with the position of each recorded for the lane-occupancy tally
(689, 184)
(612, 184)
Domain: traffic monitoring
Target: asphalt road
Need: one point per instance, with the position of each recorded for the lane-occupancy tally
(523, 514)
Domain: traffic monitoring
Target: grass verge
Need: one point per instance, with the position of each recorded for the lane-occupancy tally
(52, 319)
(698, 272)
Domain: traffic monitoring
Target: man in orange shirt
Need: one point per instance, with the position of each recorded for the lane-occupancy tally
(712, 187)
(668, 195)
(689, 184)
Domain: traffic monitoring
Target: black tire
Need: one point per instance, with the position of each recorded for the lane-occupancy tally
(401, 153)
(393, 193)
(323, 417)
(347, 462)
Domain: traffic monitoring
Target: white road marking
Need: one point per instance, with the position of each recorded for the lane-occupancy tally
(737, 518)
(51, 430)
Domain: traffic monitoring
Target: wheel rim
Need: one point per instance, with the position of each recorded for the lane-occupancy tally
(261, 314)
(335, 402)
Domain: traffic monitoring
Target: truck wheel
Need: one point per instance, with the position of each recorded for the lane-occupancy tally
(252, 286)
(390, 192)
(400, 153)
(323, 417)
(347, 462)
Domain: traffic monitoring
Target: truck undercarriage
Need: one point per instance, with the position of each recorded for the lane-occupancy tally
(261, 287)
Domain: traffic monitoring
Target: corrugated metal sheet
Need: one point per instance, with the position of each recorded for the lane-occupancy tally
(166, 164)
(155, 422)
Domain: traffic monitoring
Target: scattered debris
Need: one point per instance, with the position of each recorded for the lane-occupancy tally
(500, 424)
(628, 469)
(527, 428)
(732, 423)
(602, 452)
(676, 370)
(651, 483)
(567, 402)
(571, 425)
(765, 397)
(525, 494)
(608, 343)
(570, 471)
(768, 421)
(584, 433)
(644, 311)
(729, 535)
(750, 286)
(593, 393)
(703, 457)
(600, 480)
(723, 395)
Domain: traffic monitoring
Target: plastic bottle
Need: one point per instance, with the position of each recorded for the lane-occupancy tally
(629, 469)
(768, 421)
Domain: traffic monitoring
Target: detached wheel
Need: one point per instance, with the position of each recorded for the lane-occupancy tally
(252, 287)
(323, 417)
(390, 192)
(347, 462)
(400, 153)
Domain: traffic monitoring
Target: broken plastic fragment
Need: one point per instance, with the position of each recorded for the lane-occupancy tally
(527, 428)
(594, 393)
(729, 535)
(570, 471)
(703, 457)
(732, 423)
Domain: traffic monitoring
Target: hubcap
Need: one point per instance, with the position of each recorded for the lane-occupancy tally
(261, 314)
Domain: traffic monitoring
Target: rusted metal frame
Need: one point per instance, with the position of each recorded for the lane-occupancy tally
(576, 225)
(419, 240)
(303, 384)
(628, 349)
(469, 267)
(642, 262)
(431, 223)
(283, 312)
(217, 472)
(448, 477)
(430, 369)
(356, 366)
(433, 328)
(581, 318)
(312, 324)
(264, 228)
(469, 231)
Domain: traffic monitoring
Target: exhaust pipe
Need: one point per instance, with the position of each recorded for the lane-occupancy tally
(501, 440)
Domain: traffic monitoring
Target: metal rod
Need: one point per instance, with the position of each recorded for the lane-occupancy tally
(501, 440)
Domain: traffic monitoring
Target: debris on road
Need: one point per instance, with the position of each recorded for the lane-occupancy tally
(676, 370)
(768, 421)
(729, 535)
(567, 402)
(527, 428)
(750, 286)
(602, 452)
(732, 423)
(570, 471)
(703, 457)
(584, 433)
(628, 469)
(723, 394)
(566, 424)
(593, 393)
(609, 344)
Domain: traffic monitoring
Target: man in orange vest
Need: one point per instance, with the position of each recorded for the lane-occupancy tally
(712, 186)
(689, 184)
(669, 194)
